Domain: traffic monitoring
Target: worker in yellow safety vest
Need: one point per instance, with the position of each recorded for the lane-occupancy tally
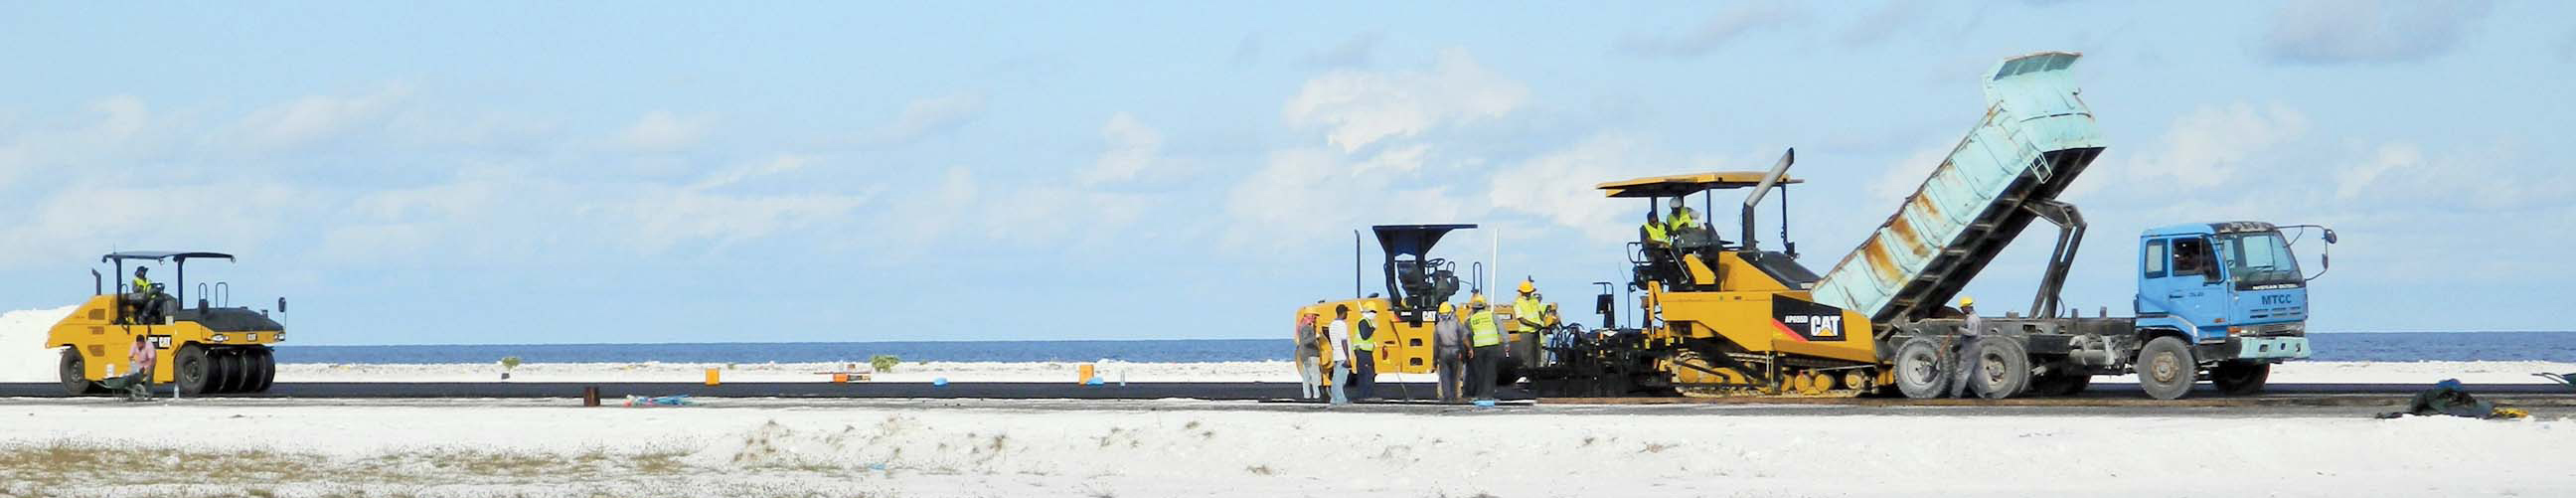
(1486, 355)
(1683, 218)
(1527, 313)
(1364, 353)
(1654, 232)
(146, 300)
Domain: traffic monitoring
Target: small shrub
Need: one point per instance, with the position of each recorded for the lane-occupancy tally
(509, 362)
(884, 362)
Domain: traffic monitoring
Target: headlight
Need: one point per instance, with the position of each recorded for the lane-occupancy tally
(281, 336)
(252, 337)
(218, 338)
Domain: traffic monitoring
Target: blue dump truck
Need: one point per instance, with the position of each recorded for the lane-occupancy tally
(2221, 301)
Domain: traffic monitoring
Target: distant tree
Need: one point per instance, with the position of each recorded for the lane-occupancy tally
(884, 362)
(509, 362)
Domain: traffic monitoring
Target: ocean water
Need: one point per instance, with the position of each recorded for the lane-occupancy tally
(2376, 346)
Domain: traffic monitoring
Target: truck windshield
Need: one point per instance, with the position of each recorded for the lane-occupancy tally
(2259, 259)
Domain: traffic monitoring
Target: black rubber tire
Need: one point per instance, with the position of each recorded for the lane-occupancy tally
(1918, 369)
(264, 370)
(2006, 369)
(74, 371)
(228, 371)
(2166, 369)
(2060, 383)
(195, 370)
(2240, 378)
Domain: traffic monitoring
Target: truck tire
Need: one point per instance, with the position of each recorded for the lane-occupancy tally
(1918, 369)
(196, 370)
(2166, 368)
(2005, 369)
(2060, 383)
(75, 374)
(2240, 378)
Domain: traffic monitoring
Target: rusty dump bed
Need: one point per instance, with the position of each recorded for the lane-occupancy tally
(2037, 136)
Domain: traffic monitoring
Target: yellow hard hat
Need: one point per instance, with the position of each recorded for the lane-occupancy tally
(1965, 301)
(1528, 286)
(1477, 298)
(1446, 308)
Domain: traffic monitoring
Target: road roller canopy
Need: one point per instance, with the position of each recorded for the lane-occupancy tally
(1681, 185)
(162, 255)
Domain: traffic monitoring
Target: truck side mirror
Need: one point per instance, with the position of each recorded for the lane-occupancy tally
(281, 305)
(2330, 236)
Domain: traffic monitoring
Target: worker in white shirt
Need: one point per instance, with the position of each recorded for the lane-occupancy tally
(1339, 333)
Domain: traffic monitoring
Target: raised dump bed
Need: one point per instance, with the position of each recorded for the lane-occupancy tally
(2037, 136)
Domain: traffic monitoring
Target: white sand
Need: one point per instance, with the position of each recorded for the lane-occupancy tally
(22, 339)
(1185, 449)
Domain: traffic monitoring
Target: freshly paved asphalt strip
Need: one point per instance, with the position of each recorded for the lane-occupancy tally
(1141, 390)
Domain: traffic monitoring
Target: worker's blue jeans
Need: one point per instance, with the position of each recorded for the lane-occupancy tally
(1341, 382)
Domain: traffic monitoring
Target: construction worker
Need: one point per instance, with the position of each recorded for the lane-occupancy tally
(1968, 366)
(1449, 352)
(1364, 353)
(1654, 233)
(1528, 315)
(1309, 375)
(1683, 217)
(1339, 336)
(138, 385)
(1486, 349)
(146, 299)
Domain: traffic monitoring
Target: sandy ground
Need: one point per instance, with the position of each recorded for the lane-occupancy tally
(754, 448)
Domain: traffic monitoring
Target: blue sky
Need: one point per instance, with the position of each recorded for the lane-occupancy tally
(563, 172)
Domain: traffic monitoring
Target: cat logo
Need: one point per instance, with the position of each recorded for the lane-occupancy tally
(1805, 321)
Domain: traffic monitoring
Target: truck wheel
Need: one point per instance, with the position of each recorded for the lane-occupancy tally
(1918, 369)
(2240, 378)
(75, 374)
(2166, 368)
(2003, 370)
(196, 370)
(2060, 383)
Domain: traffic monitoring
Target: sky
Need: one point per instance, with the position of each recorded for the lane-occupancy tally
(563, 172)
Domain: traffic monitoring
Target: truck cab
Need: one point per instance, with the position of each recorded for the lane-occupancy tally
(2233, 289)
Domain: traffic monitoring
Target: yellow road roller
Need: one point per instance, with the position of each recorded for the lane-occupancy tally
(206, 346)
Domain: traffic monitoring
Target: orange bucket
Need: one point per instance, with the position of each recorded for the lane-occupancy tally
(711, 376)
(1085, 372)
(840, 378)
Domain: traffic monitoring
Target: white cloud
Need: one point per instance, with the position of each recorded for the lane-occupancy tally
(1717, 31)
(1303, 193)
(1359, 108)
(782, 164)
(661, 131)
(2209, 145)
(1900, 180)
(313, 118)
(1552, 187)
(929, 116)
(1133, 149)
(73, 222)
(2339, 31)
(666, 217)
